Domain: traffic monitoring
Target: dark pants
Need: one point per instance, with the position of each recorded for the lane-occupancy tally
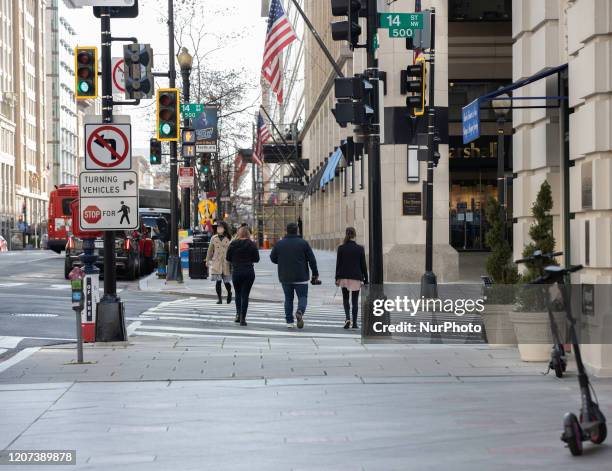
(301, 289)
(354, 301)
(228, 287)
(243, 282)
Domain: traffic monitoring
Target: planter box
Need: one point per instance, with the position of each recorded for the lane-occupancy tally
(533, 335)
(498, 327)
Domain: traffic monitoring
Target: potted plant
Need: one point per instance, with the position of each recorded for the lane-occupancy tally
(530, 316)
(499, 297)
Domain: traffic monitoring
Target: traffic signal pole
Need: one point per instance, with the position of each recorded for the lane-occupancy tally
(374, 173)
(429, 286)
(174, 271)
(110, 322)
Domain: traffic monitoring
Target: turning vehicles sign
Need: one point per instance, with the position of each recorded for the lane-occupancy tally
(108, 147)
(108, 200)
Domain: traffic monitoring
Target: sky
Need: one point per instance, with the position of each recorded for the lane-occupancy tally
(237, 25)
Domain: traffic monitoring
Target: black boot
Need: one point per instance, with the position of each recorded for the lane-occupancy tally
(355, 321)
(237, 318)
(218, 290)
(243, 319)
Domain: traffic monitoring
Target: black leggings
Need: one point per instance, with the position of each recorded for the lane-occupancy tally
(228, 287)
(243, 282)
(354, 302)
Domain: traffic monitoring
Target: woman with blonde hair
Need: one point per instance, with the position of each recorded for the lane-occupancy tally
(351, 274)
(220, 271)
(242, 254)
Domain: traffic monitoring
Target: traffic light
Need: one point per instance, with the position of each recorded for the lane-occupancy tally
(188, 143)
(155, 154)
(138, 70)
(168, 114)
(205, 165)
(348, 30)
(413, 81)
(356, 101)
(86, 72)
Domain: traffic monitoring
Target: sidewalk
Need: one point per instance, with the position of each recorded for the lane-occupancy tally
(292, 404)
(266, 287)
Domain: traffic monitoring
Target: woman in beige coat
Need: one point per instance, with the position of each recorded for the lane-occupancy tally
(218, 266)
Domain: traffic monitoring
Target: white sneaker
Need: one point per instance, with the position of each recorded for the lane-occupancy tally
(291, 325)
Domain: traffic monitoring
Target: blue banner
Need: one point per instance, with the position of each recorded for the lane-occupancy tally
(471, 121)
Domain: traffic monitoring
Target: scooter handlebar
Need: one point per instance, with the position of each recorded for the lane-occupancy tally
(538, 255)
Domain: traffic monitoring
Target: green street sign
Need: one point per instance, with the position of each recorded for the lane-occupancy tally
(192, 110)
(401, 25)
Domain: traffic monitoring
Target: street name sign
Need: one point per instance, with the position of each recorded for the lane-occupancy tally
(108, 146)
(470, 117)
(108, 201)
(401, 25)
(186, 177)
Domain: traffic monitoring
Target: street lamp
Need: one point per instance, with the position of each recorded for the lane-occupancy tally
(502, 105)
(185, 61)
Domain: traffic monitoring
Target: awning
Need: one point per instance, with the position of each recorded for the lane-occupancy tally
(330, 170)
(313, 184)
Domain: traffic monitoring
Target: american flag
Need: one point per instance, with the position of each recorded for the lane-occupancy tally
(280, 34)
(263, 136)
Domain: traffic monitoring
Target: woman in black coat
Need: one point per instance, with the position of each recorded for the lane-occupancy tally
(351, 274)
(242, 253)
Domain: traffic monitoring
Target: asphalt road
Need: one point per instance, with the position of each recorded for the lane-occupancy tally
(35, 307)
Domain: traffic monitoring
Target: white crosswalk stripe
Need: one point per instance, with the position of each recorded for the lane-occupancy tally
(203, 317)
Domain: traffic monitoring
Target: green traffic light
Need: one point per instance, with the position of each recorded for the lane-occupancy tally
(83, 87)
(166, 129)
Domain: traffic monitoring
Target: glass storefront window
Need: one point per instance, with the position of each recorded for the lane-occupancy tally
(480, 10)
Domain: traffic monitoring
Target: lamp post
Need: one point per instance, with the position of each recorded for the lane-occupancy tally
(501, 105)
(185, 61)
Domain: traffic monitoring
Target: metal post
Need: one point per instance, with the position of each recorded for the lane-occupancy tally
(374, 178)
(110, 322)
(174, 272)
(429, 284)
(501, 179)
(186, 199)
(565, 165)
(218, 180)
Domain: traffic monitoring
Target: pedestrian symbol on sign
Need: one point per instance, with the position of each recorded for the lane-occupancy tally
(125, 211)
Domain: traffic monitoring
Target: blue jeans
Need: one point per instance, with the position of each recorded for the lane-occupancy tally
(301, 289)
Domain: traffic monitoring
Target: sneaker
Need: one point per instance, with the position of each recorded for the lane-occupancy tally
(347, 324)
(300, 319)
(290, 325)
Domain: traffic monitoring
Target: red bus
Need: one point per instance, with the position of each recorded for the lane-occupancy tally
(59, 219)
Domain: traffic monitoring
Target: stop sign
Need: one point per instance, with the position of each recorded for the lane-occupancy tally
(92, 214)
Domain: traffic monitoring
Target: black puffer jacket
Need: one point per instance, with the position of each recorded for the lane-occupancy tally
(242, 254)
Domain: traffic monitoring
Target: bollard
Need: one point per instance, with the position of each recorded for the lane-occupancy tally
(76, 283)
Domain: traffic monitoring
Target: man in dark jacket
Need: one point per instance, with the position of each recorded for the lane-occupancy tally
(293, 255)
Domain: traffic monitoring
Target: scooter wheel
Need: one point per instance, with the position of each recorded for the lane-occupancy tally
(572, 434)
(600, 436)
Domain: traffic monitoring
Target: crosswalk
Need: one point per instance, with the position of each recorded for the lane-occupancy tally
(198, 317)
(203, 318)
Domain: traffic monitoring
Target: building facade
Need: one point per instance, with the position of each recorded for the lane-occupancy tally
(480, 47)
(28, 69)
(62, 133)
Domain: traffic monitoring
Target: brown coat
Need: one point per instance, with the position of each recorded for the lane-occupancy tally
(215, 257)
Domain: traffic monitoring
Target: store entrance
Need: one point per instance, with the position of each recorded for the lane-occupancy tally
(473, 180)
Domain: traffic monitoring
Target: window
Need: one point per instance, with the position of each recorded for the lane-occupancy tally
(480, 10)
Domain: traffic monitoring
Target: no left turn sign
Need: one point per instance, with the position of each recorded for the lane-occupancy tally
(108, 147)
(118, 75)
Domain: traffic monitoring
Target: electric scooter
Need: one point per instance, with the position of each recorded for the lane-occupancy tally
(591, 425)
(558, 360)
